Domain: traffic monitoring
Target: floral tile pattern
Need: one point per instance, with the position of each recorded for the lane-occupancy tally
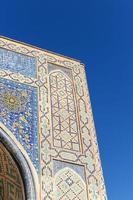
(18, 112)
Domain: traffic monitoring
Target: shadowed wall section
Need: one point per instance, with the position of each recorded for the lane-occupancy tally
(11, 184)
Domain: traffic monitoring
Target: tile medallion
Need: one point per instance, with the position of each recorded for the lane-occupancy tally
(19, 113)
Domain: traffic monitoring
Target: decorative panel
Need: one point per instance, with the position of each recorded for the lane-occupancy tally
(67, 71)
(11, 185)
(64, 117)
(44, 102)
(18, 63)
(59, 165)
(68, 185)
(18, 112)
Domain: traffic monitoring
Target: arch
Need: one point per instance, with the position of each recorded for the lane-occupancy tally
(60, 71)
(68, 185)
(11, 182)
(30, 181)
(65, 130)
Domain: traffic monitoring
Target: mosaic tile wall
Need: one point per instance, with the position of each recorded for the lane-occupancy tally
(11, 185)
(63, 112)
(18, 63)
(18, 112)
(45, 104)
(69, 186)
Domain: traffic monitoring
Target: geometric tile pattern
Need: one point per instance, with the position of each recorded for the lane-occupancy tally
(69, 186)
(18, 63)
(52, 67)
(64, 116)
(59, 165)
(18, 112)
(56, 152)
(11, 185)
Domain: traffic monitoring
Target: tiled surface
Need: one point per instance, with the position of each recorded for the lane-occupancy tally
(18, 112)
(59, 165)
(18, 63)
(11, 185)
(64, 116)
(67, 139)
(69, 186)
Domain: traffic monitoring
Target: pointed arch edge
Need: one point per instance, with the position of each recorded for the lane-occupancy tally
(71, 183)
(28, 171)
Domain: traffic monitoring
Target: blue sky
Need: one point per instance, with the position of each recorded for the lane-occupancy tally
(100, 34)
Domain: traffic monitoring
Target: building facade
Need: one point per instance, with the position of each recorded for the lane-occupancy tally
(48, 145)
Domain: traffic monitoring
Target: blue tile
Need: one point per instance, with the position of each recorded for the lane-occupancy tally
(18, 63)
(19, 113)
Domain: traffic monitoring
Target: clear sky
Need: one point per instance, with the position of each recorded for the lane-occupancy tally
(100, 34)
